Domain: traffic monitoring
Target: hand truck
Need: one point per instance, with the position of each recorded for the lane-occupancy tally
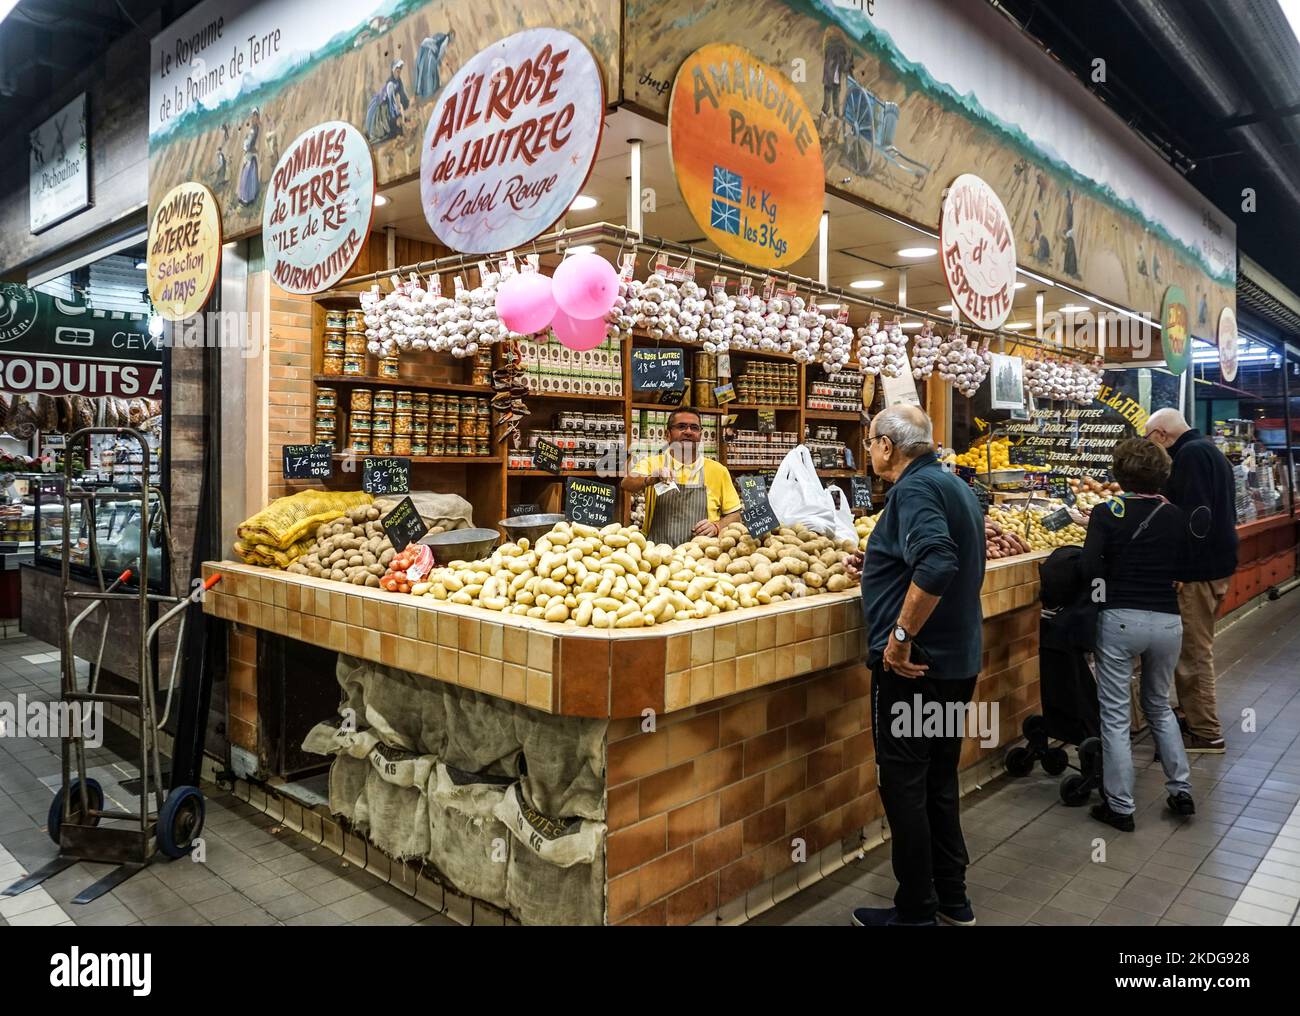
(79, 806)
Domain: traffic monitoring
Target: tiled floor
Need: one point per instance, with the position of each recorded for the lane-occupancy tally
(1237, 862)
(253, 872)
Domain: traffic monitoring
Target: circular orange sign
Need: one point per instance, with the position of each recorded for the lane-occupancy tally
(748, 160)
(184, 251)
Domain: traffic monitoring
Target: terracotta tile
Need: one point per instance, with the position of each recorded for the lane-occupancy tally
(665, 790)
(858, 749)
(636, 757)
(742, 799)
(724, 677)
(742, 720)
(677, 690)
(821, 621)
(323, 603)
(764, 752)
(739, 877)
(388, 615)
(746, 672)
(514, 682)
(541, 649)
(387, 647)
(746, 637)
(701, 683)
(622, 807)
(665, 875)
(491, 676)
(636, 675)
(540, 691)
(825, 763)
(692, 737)
(776, 857)
(467, 628)
(656, 914)
(821, 652)
(803, 657)
(766, 634)
(848, 719)
(584, 676)
(623, 896)
(763, 827)
(719, 769)
(804, 808)
(785, 661)
(724, 641)
(803, 623)
(786, 706)
(806, 736)
(702, 647)
(631, 847)
(766, 664)
(841, 789)
(408, 621)
(448, 665)
(426, 626)
(467, 669)
(693, 821)
(515, 645)
(491, 638)
(785, 781)
(448, 630)
(719, 849)
(693, 902)
(408, 654)
(678, 652)
(786, 628)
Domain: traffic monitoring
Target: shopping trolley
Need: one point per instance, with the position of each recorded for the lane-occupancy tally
(172, 822)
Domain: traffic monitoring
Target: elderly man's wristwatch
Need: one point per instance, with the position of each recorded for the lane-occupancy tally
(900, 634)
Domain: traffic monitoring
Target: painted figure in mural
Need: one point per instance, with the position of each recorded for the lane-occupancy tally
(272, 143)
(428, 64)
(1155, 265)
(1071, 265)
(1142, 260)
(1202, 308)
(836, 65)
(1039, 247)
(250, 184)
(384, 115)
(1041, 180)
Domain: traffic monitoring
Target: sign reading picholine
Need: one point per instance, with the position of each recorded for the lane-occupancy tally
(746, 154)
(511, 140)
(60, 166)
(978, 249)
(184, 251)
(318, 208)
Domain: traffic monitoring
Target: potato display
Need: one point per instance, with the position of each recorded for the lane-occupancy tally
(865, 525)
(1037, 537)
(351, 549)
(615, 578)
(1000, 542)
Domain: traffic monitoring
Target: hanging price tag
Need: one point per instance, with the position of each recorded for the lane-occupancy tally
(547, 456)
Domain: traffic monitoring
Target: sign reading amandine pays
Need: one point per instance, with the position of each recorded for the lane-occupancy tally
(511, 141)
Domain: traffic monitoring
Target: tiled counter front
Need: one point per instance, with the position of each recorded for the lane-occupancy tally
(759, 774)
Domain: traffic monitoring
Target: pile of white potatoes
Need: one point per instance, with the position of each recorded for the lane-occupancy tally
(615, 578)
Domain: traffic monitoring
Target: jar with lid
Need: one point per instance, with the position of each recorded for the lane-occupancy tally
(353, 366)
(436, 445)
(334, 344)
(390, 368)
(335, 320)
(327, 398)
(419, 446)
(331, 364)
(360, 443)
(481, 447)
(381, 423)
(401, 424)
(382, 444)
(362, 400)
(354, 344)
(419, 426)
(355, 321)
(401, 444)
(385, 400)
(402, 401)
(359, 421)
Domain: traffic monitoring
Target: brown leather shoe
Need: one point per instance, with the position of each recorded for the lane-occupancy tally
(1194, 744)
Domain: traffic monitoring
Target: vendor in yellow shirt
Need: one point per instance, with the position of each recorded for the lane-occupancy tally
(688, 495)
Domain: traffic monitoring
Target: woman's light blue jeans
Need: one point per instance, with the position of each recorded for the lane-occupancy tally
(1156, 639)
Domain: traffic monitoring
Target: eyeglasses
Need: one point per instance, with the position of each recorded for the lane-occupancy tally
(875, 438)
(686, 426)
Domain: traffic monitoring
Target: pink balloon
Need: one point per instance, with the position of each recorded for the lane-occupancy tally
(578, 333)
(525, 303)
(585, 286)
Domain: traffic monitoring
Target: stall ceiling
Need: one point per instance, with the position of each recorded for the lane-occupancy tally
(864, 244)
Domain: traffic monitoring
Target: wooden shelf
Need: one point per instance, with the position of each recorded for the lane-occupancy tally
(842, 473)
(644, 341)
(554, 476)
(457, 460)
(751, 469)
(831, 414)
(731, 406)
(574, 397)
(437, 386)
(708, 411)
(350, 298)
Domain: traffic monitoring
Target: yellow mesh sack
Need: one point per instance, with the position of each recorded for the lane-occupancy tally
(287, 520)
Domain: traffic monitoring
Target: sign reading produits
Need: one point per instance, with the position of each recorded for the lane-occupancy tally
(1228, 344)
(511, 140)
(184, 251)
(59, 166)
(1175, 317)
(319, 202)
(978, 251)
(746, 155)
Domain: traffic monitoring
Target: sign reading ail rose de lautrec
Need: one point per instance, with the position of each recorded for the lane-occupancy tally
(978, 250)
(319, 203)
(184, 251)
(746, 154)
(511, 140)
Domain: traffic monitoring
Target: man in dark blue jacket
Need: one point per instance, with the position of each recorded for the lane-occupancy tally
(1202, 485)
(921, 579)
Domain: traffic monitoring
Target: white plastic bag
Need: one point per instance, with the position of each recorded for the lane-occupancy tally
(797, 495)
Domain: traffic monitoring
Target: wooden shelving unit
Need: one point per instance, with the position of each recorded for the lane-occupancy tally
(353, 380)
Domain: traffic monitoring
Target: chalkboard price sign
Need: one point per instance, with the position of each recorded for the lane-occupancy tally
(1055, 521)
(547, 456)
(404, 525)
(308, 462)
(1059, 486)
(529, 508)
(385, 475)
(655, 370)
(755, 510)
(589, 501)
(861, 492)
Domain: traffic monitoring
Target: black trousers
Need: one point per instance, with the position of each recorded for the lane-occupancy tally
(919, 789)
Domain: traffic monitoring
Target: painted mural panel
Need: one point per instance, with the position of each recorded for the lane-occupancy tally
(913, 93)
(235, 81)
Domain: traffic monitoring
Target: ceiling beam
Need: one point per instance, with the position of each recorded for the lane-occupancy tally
(1265, 116)
(74, 12)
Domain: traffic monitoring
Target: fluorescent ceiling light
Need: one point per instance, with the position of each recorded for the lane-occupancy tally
(945, 308)
(917, 252)
(1021, 285)
(828, 306)
(1036, 277)
(1017, 326)
(908, 326)
(866, 284)
(141, 264)
(1290, 9)
(582, 248)
(380, 200)
(582, 202)
(1074, 308)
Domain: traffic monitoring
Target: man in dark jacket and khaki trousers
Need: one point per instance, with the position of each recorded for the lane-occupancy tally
(1202, 485)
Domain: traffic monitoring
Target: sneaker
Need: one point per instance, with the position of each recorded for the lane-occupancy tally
(961, 915)
(1103, 813)
(1182, 803)
(1194, 744)
(880, 917)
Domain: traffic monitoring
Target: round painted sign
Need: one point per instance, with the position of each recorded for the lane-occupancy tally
(318, 207)
(978, 250)
(511, 141)
(1228, 344)
(746, 155)
(1175, 334)
(184, 251)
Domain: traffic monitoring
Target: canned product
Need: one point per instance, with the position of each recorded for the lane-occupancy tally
(382, 444)
(359, 421)
(327, 398)
(361, 399)
(401, 445)
(390, 368)
(381, 423)
(466, 448)
(384, 400)
(326, 419)
(481, 407)
(335, 320)
(355, 321)
(331, 364)
(481, 376)
(401, 424)
(420, 402)
(438, 403)
(327, 437)
(354, 343)
(354, 366)
(360, 444)
(704, 397)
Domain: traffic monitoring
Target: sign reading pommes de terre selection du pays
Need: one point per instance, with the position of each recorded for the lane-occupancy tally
(184, 251)
(511, 141)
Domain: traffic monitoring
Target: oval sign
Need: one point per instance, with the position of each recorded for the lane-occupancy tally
(1228, 344)
(1175, 335)
(318, 207)
(746, 155)
(978, 250)
(184, 251)
(511, 141)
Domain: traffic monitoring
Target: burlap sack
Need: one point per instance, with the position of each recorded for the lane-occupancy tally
(468, 843)
(451, 511)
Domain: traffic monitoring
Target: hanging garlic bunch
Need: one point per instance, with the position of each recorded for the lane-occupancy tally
(1085, 383)
(660, 307)
(752, 310)
(925, 351)
(721, 322)
(690, 316)
(622, 317)
(836, 345)
(962, 365)
(1046, 379)
(882, 350)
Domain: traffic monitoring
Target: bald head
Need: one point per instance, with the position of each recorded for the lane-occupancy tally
(1165, 426)
(908, 428)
